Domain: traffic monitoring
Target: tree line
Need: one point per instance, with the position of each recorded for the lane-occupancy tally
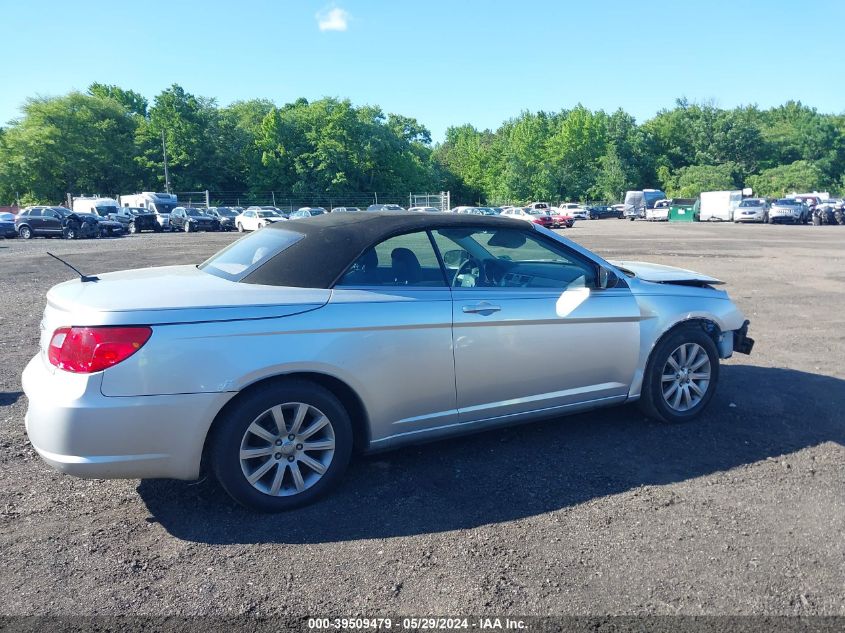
(109, 139)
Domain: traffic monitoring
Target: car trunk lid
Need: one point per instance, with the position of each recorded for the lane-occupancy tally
(171, 294)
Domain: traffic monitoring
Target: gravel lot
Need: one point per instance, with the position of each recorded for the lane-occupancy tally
(739, 512)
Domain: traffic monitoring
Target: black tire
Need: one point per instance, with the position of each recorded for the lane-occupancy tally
(187, 227)
(652, 402)
(229, 431)
(25, 233)
(69, 233)
(240, 228)
(132, 228)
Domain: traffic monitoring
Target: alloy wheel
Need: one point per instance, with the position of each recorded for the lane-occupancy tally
(686, 376)
(287, 449)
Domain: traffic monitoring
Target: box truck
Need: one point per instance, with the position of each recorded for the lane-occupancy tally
(718, 206)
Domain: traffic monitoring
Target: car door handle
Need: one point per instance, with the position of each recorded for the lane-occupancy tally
(483, 308)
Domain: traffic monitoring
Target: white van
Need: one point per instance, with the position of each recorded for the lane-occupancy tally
(719, 206)
(103, 207)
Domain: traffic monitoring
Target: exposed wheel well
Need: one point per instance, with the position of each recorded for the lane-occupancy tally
(709, 327)
(343, 392)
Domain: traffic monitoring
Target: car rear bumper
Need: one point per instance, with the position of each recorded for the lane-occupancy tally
(79, 431)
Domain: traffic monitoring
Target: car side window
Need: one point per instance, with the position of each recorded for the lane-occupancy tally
(404, 260)
(511, 258)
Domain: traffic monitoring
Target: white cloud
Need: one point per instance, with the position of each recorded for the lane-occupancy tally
(334, 19)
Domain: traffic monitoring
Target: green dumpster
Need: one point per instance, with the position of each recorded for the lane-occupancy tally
(683, 210)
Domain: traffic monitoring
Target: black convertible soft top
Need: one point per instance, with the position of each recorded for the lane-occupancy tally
(334, 240)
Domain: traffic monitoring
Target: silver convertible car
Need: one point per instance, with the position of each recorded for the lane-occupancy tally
(274, 361)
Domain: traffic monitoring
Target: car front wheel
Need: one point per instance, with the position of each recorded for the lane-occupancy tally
(681, 376)
(282, 446)
(25, 233)
(240, 228)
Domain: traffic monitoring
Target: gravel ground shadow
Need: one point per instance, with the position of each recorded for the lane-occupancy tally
(527, 470)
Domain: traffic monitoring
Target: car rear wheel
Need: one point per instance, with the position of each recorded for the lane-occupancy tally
(681, 376)
(282, 447)
(25, 233)
(132, 228)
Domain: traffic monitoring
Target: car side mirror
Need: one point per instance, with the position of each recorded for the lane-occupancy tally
(455, 258)
(607, 279)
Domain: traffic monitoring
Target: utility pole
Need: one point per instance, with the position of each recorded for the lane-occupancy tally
(166, 175)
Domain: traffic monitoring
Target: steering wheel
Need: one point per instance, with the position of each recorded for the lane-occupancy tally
(466, 265)
(485, 270)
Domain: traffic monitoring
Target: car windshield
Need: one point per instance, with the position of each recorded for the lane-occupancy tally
(160, 207)
(226, 212)
(787, 202)
(751, 203)
(193, 212)
(267, 214)
(242, 257)
(7, 217)
(537, 211)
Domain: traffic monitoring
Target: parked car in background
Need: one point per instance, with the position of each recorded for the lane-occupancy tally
(161, 204)
(224, 215)
(7, 225)
(190, 219)
(789, 211)
(638, 202)
(306, 212)
(620, 208)
(424, 210)
(254, 219)
(830, 211)
(534, 215)
(271, 370)
(559, 219)
(345, 210)
(811, 200)
(385, 207)
(46, 221)
(275, 210)
(574, 210)
(601, 211)
(107, 226)
(659, 212)
(133, 219)
(540, 206)
(752, 210)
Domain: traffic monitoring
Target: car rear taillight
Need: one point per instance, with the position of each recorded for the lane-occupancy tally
(85, 350)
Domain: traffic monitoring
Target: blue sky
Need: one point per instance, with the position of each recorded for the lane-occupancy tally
(443, 62)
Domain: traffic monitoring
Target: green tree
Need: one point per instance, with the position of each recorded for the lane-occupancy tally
(689, 182)
(800, 175)
(76, 143)
(190, 127)
(129, 99)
